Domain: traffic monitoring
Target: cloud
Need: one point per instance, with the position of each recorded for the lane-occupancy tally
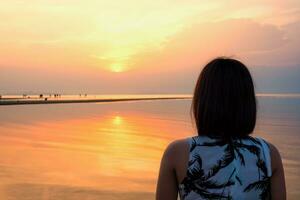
(197, 43)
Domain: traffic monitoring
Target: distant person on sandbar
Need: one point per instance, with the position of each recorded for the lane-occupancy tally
(223, 161)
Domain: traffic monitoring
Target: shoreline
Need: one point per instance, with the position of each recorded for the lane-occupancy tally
(63, 101)
(46, 99)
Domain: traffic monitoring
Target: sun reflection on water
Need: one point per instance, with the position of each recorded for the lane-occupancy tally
(114, 152)
(117, 120)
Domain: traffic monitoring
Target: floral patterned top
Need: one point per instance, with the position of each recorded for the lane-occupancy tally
(232, 169)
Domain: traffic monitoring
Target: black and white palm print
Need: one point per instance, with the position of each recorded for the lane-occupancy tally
(232, 169)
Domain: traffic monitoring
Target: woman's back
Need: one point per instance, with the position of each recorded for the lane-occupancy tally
(233, 169)
(223, 107)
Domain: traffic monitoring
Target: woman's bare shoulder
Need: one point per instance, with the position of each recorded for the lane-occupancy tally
(177, 145)
(176, 150)
(275, 157)
(278, 188)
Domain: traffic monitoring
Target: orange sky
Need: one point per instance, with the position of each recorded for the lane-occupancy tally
(135, 38)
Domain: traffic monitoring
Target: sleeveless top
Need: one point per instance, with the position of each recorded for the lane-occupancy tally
(234, 169)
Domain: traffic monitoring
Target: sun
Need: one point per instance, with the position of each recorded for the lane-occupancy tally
(117, 68)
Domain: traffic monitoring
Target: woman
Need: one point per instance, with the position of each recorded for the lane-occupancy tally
(223, 161)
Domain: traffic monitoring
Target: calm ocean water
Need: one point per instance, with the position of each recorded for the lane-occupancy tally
(112, 150)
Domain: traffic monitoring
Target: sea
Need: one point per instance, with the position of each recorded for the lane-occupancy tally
(112, 150)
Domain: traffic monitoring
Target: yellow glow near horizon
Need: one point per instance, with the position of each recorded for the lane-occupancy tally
(112, 35)
(108, 35)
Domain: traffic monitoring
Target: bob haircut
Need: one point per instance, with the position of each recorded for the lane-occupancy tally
(224, 104)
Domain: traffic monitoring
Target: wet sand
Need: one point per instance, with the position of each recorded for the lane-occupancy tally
(55, 192)
(57, 101)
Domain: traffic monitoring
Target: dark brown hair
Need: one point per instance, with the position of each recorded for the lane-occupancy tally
(224, 103)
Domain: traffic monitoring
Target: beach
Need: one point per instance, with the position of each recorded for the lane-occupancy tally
(112, 150)
(50, 99)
